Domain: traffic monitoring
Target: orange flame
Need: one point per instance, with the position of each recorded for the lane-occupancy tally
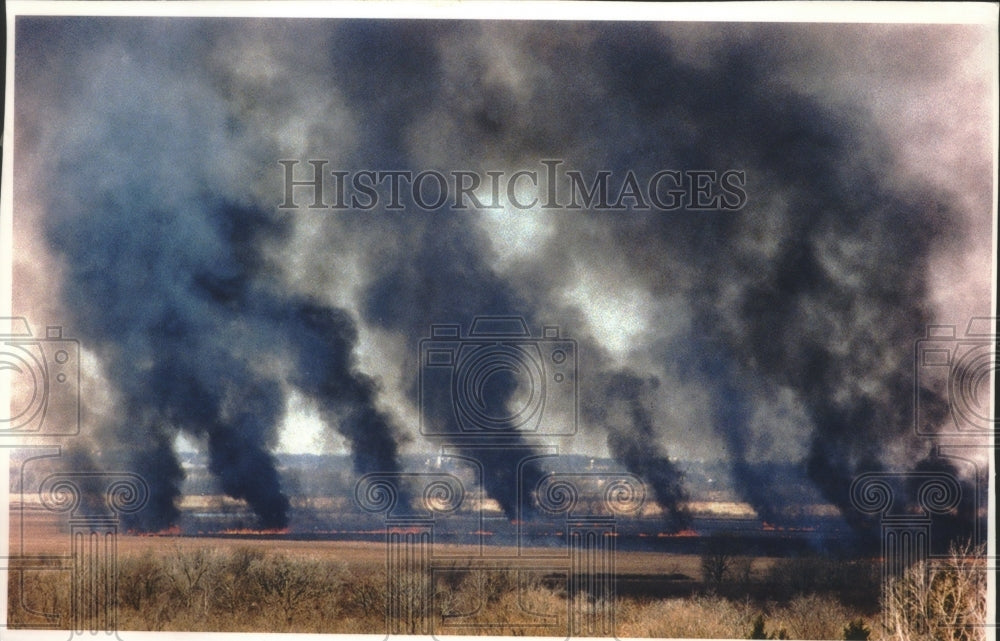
(173, 530)
(405, 530)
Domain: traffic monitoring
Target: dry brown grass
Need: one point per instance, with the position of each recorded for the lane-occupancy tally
(244, 584)
(182, 584)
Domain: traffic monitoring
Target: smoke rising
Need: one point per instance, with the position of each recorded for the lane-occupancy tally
(206, 306)
(632, 440)
(169, 283)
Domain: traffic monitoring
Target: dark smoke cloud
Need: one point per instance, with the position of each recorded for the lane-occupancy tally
(206, 306)
(214, 346)
(438, 275)
(324, 339)
(817, 313)
(811, 311)
(632, 439)
(170, 285)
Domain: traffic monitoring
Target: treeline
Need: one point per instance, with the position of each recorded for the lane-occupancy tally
(251, 589)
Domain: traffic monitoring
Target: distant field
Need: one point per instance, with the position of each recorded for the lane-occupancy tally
(45, 535)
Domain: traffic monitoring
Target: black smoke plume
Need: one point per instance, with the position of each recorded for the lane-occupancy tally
(439, 275)
(632, 438)
(204, 308)
(205, 345)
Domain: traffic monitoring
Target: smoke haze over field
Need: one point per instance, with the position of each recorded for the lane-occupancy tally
(147, 222)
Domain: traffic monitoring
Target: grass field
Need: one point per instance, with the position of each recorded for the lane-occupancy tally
(273, 584)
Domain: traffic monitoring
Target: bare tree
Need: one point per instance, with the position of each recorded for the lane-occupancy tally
(187, 573)
(717, 558)
(943, 600)
(289, 585)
